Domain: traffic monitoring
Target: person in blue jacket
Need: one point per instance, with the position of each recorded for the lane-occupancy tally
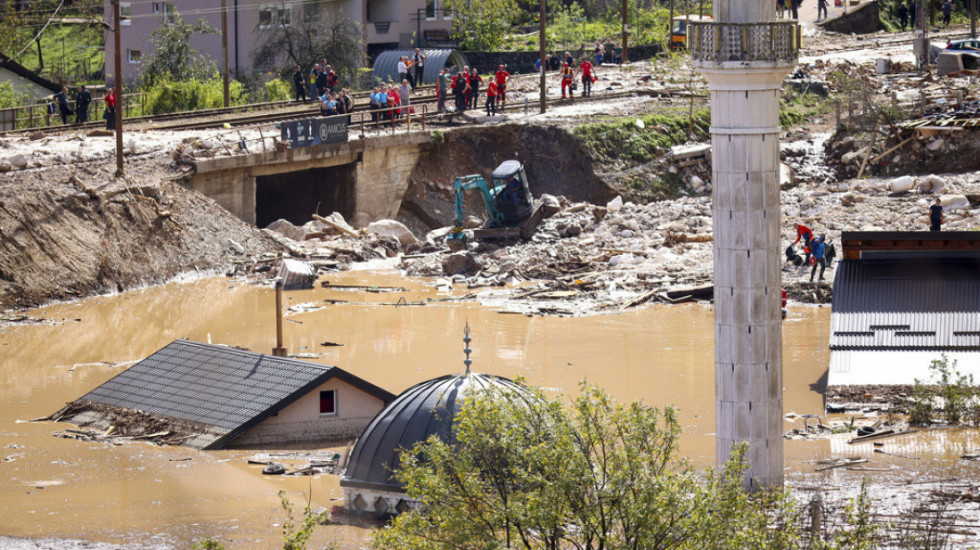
(817, 247)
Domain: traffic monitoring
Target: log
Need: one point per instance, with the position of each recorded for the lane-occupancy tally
(880, 435)
(842, 464)
(879, 157)
(336, 226)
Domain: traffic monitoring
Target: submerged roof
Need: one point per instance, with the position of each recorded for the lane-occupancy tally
(892, 317)
(421, 411)
(226, 389)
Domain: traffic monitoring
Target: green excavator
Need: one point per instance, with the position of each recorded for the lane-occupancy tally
(511, 211)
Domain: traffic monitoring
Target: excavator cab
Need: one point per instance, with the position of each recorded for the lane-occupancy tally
(511, 194)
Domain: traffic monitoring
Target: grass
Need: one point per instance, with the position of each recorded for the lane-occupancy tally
(73, 53)
(795, 108)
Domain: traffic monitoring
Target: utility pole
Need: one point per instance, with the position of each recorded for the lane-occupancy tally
(279, 350)
(973, 18)
(224, 48)
(544, 53)
(119, 91)
(626, 34)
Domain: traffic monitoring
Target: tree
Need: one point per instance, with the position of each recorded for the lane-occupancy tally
(529, 472)
(321, 33)
(482, 25)
(173, 58)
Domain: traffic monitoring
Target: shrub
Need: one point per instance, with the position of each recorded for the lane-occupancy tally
(167, 96)
(276, 89)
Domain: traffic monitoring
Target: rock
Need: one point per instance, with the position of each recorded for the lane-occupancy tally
(460, 262)
(936, 144)
(696, 183)
(5, 166)
(18, 161)
(854, 156)
(472, 222)
(34, 136)
(955, 202)
(640, 124)
(287, 229)
(849, 199)
(338, 219)
(621, 259)
(132, 146)
(392, 228)
(571, 231)
(238, 248)
(437, 237)
(615, 205)
(901, 184)
(101, 133)
(550, 205)
(932, 184)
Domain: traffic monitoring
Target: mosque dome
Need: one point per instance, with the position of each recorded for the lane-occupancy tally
(423, 410)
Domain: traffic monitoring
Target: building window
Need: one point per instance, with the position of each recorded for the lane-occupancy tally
(134, 56)
(430, 9)
(284, 16)
(125, 13)
(266, 17)
(156, 7)
(328, 402)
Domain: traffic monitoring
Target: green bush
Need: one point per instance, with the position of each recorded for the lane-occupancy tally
(168, 96)
(623, 139)
(276, 89)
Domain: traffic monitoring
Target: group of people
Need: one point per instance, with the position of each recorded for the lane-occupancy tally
(322, 80)
(83, 98)
(907, 13)
(812, 246)
(465, 86)
(567, 72)
(412, 68)
(390, 103)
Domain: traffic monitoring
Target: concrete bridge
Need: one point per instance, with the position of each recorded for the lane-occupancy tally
(363, 179)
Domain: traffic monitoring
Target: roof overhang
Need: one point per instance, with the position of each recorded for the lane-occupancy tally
(892, 245)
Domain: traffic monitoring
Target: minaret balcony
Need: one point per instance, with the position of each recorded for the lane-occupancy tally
(716, 45)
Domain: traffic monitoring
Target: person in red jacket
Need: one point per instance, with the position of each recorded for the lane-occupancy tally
(587, 77)
(501, 77)
(567, 80)
(803, 232)
(492, 93)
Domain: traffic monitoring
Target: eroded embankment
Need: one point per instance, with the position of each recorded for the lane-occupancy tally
(555, 161)
(71, 231)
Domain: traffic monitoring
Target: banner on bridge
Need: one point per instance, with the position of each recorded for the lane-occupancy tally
(315, 131)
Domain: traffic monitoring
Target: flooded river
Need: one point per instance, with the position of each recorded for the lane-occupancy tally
(147, 496)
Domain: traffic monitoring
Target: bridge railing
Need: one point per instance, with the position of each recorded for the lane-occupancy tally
(775, 42)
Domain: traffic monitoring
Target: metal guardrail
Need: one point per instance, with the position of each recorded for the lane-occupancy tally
(774, 42)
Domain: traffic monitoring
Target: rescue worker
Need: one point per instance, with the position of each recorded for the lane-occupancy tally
(803, 232)
(501, 77)
(587, 77)
(492, 91)
(567, 75)
(475, 81)
(818, 255)
(110, 109)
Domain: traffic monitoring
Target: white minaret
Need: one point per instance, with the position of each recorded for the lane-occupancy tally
(744, 55)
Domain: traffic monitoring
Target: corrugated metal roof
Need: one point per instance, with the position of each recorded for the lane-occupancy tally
(228, 389)
(386, 64)
(421, 411)
(918, 304)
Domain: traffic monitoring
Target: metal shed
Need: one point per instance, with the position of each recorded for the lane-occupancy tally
(386, 64)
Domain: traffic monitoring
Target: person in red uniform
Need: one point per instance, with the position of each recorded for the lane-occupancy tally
(567, 80)
(501, 77)
(110, 110)
(492, 93)
(803, 232)
(587, 77)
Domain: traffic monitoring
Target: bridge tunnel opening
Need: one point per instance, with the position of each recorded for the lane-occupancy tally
(296, 196)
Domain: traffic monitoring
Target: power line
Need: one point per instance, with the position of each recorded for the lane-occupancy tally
(38, 35)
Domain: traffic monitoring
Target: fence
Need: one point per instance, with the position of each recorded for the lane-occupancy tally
(39, 116)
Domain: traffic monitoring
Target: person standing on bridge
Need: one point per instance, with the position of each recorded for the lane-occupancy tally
(492, 91)
(403, 68)
(475, 81)
(418, 67)
(794, 6)
(442, 85)
(331, 79)
(82, 100)
(321, 83)
(405, 95)
(821, 7)
(314, 73)
(299, 84)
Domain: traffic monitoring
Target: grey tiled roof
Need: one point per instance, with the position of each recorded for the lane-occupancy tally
(913, 304)
(226, 389)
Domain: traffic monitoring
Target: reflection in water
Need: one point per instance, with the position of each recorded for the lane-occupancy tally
(55, 487)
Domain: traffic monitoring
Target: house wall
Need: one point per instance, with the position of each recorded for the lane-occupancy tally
(24, 87)
(136, 33)
(302, 422)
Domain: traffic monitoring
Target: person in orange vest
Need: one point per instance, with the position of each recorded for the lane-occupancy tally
(501, 77)
(567, 80)
(587, 77)
(492, 92)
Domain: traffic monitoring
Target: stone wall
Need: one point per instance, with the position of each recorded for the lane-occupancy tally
(382, 179)
(861, 19)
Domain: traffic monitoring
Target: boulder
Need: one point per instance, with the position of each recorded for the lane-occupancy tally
(18, 161)
(615, 205)
(338, 221)
(392, 228)
(955, 202)
(287, 229)
(133, 147)
(932, 184)
(696, 183)
(935, 145)
(460, 262)
(901, 184)
(472, 222)
(5, 166)
(550, 205)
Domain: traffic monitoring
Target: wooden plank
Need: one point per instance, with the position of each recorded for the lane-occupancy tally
(887, 434)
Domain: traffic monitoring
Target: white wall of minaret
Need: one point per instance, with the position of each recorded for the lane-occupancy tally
(744, 54)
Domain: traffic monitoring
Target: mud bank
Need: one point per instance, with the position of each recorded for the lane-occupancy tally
(75, 230)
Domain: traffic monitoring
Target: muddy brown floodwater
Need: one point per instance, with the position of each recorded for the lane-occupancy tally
(142, 495)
